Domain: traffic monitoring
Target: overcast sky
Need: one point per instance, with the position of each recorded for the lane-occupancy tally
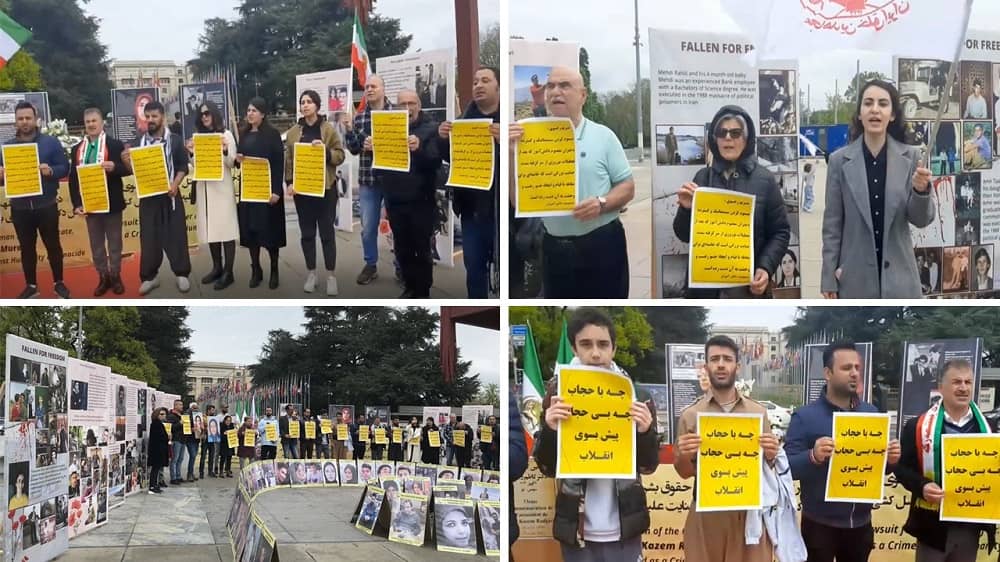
(772, 317)
(236, 335)
(431, 22)
(609, 38)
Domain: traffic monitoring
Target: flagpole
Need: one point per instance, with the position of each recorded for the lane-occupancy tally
(946, 91)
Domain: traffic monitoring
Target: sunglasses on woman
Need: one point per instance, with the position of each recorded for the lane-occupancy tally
(734, 134)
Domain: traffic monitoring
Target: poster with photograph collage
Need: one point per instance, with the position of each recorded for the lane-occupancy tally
(955, 253)
(90, 432)
(36, 451)
(695, 77)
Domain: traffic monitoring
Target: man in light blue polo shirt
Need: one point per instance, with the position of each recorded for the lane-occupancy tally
(585, 255)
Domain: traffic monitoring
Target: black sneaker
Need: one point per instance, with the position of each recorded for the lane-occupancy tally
(102, 285)
(117, 287)
(367, 275)
(61, 290)
(29, 292)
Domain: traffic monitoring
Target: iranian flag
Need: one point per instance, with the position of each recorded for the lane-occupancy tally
(12, 36)
(532, 391)
(359, 57)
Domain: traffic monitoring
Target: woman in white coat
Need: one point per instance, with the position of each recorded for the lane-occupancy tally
(216, 202)
(412, 435)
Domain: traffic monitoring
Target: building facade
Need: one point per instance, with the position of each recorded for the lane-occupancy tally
(204, 374)
(761, 352)
(165, 75)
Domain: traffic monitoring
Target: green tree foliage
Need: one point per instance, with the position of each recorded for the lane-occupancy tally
(112, 339)
(683, 324)
(489, 395)
(42, 324)
(489, 46)
(367, 356)
(73, 62)
(164, 331)
(21, 74)
(619, 114)
(592, 108)
(271, 41)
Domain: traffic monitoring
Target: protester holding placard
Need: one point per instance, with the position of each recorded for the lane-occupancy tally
(876, 187)
(289, 444)
(585, 255)
(38, 215)
(463, 436)
(158, 455)
(226, 452)
(193, 439)
(176, 440)
(308, 440)
(104, 227)
(396, 446)
(316, 213)
(721, 536)
(490, 448)
(378, 449)
(920, 467)
(247, 451)
(733, 143)
(832, 528)
(478, 209)
(359, 142)
(410, 200)
(411, 435)
(608, 516)
(162, 222)
(268, 443)
(217, 223)
(357, 442)
(209, 443)
(338, 445)
(262, 225)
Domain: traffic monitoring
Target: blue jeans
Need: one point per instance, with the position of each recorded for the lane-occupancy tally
(371, 214)
(477, 251)
(192, 449)
(290, 449)
(175, 463)
(450, 455)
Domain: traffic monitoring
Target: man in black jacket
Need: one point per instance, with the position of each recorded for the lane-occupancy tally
(359, 445)
(478, 209)
(176, 431)
(104, 229)
(289, 444)
(162, 223)
(409, 201)
(936, 539)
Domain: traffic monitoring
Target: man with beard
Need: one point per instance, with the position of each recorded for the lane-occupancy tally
(395, 447)
(612, 514)
(919, 468)
(720, 536)
(162, 223)
(377, 448)
(831, 529)
(103, 229)
(38, 215)
(476, 208)
(356, 441)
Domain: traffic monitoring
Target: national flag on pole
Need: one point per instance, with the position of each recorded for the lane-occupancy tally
(12, 37)
(789, 29)
(565, 354)
(533, 388)
(359, 57)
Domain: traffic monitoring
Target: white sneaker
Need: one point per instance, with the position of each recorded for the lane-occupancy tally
(310, 285)
(183, 285)
(148, 286)
(331, 286)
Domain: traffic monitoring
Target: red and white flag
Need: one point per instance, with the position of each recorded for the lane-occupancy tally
(359, 57)
(789, 29)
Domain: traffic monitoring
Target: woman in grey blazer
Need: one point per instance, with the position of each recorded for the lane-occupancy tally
(876, 187)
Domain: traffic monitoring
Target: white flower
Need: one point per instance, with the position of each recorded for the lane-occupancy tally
(744, 386)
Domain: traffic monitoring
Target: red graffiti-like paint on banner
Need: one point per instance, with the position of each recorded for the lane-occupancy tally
(850, 17)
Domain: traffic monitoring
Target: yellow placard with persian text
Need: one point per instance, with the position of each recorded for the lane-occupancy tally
(309, 169)
(472, 156)
(486, 434)
(149, 164)
(434, 438)
(458, 437)
(970, 466)
(293, 429)
(397, 435)
(22, 176)
(856, 471)
(342, 433)
(249, 438)
(93, 182)
(310, 430)
(721, 251)
(233, 437)
(390, 145)
(186, 424)
(207, 156)
(730, 462)
(326, 426)
(271, 432)
(598, 439)
(363, 433)
(255, 180)
(380, 437)
(547, 177)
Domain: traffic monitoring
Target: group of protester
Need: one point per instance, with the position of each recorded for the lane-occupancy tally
(409, 197)
(168, 445)
(613, 514)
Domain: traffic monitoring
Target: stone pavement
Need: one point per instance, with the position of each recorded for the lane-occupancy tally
(188, 523)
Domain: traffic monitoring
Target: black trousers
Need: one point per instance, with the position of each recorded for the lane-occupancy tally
(592, 266)
(28, 225)
(359, 451)
(268, 452)
(317, 214)
(307, 448)
(162, 229)
(377, 451)
(412, 226)
(154, 476)
(826, 544)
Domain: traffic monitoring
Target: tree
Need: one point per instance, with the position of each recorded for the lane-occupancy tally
(42, 324)
(272, 41)
(851, 94)
(21, 74)
(489, 46)
(164, 331)
(111, 339)
(73, 62)
(592, 108)
(684, 324)
(489, 395)
(619, 114)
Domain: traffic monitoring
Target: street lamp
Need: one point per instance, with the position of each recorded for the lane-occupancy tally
(638, 83)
